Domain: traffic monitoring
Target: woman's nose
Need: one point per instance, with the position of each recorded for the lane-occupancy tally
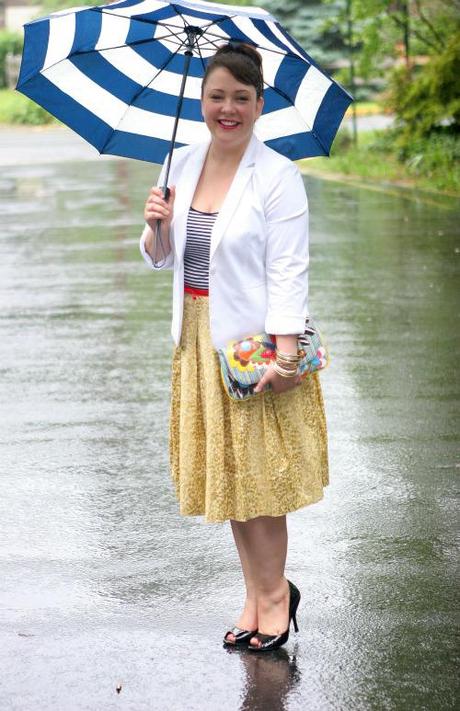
(228, 106)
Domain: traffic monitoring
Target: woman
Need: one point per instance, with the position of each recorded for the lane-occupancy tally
(236, 236)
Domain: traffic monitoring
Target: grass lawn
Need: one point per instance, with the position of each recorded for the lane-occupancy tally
(15, 108)
(433, 165)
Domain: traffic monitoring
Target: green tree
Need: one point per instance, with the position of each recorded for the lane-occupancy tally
(428, 101)
(311, 23)
(384, 30)
(10, 43)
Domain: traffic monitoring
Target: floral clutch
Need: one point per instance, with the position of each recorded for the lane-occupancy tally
(244, 362)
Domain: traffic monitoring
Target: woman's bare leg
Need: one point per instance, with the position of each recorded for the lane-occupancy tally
(248, 618)
(264, 542)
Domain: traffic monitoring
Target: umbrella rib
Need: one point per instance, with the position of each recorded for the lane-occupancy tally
(158, 23)
(171, 37)
(212, 43)
(201, 57)
(180, 44)
(162, 68)
(140, 92)
(286, 53)
(180, 15)
(288, 99)
(205, 28)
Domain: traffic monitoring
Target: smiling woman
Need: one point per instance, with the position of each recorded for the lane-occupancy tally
(230, 109)
(238, 244)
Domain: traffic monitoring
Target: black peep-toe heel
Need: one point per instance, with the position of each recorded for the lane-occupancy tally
(270, 642)
(241, 637)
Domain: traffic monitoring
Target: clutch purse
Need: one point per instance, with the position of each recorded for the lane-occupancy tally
(244, 362)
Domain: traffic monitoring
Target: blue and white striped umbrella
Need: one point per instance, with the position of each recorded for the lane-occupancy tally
(114, 73)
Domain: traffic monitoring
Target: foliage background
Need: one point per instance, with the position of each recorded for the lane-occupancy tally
(405, 56)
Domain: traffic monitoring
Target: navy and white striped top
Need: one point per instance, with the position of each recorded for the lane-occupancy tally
(197, 248)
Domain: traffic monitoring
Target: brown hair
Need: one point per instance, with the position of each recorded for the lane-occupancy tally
(242, 60)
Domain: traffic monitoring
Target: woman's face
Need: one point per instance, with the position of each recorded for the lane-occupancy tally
(229, 108)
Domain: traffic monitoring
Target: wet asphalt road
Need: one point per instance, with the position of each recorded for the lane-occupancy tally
(102, 584)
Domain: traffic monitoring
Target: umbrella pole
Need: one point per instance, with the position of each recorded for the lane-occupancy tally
(192, 34)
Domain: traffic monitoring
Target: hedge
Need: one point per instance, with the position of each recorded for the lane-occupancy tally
(9, 42)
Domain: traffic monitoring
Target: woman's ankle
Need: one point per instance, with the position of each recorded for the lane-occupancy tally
(273, 594)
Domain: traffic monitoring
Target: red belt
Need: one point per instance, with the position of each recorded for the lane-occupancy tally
(195, 292)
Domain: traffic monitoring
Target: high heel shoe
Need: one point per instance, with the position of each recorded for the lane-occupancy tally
(241, 637)
(269, 642)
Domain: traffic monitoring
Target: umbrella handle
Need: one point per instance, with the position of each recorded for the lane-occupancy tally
(158, 240)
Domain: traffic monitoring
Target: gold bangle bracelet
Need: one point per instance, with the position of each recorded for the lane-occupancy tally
(290, 364)
(284, 373)
(289, 357)
(287, 363)
(285, 369)
(287, 366)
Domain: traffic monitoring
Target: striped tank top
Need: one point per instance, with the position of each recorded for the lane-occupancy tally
(197, 248)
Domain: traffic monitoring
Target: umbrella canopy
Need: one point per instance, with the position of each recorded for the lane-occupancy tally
(115, 73)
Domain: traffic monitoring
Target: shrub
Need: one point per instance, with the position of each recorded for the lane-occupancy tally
(342, 142)
(18, 109)
(438, 155)
(426, 100)
(434, 158)
(9, 42)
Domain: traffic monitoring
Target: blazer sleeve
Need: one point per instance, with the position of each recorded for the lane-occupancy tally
(169, 261)
(287, 254)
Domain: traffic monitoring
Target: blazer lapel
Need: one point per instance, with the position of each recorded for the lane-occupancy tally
(234, 195)
(186, 184)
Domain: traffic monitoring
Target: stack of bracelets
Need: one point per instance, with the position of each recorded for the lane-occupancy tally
(286, 364)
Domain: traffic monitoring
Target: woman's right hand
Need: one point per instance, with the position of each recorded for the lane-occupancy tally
(157, 208)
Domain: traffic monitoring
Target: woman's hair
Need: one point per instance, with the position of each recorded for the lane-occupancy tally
(242, 60)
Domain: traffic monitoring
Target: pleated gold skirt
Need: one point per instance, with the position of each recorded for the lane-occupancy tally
(264, 456)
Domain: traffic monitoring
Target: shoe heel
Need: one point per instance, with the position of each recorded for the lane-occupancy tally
(293, 604)
(294, 619)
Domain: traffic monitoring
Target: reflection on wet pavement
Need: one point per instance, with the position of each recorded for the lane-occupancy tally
(103, 584)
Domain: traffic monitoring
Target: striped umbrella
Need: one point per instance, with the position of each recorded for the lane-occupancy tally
(121, 74)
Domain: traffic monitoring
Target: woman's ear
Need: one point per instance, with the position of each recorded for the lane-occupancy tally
(259, 106)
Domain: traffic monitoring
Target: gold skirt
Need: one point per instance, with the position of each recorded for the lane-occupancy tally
(264, 456)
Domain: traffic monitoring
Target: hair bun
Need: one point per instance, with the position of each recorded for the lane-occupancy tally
(245, 48)
(242, 60)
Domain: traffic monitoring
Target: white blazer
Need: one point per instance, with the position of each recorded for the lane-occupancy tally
(258, 271)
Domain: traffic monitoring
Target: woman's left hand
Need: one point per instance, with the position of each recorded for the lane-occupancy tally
(278, 383)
